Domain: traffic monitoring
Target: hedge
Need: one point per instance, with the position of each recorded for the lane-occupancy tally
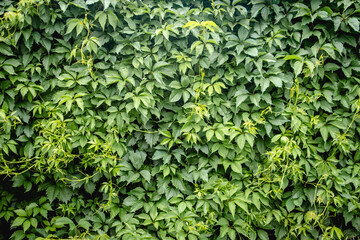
(207, 119)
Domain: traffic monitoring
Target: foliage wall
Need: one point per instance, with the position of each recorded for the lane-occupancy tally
(179, 120)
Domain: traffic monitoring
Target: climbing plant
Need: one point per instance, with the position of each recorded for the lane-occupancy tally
(178, 119)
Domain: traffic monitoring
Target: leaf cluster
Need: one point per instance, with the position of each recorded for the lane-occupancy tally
(194, 120)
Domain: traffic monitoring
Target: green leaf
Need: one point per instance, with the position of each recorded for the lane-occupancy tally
(160, 64)
(84, 224)
(18, 221)
(129, 201)
(262, 234)
(52, 193)
(21, 212)
(90, 187)
(136, 102)
(256, 200)
(181, 207)
(236, 167)
(29, 150)
(102, 20)
(232, 208)
(241, 99)
(71, 25)
(113, 20)
(151, 138)
(89, 2)
(210, 48)
(241, 141)
(199, 50)
(106, 3)
(223, 151)
(290, 205)
(9, 69)
(276, 81)
(65, 194)
(80, 103)
(175, 96)
(146, 174)
(293, 57)
(19, 180)
(191, 24)
(298, 66)
(338, 232)
(137, 158)
(34, 222)
(6, 50)
(13, 62)
(354, 23)
(252, 52)
(209, 134)
(18, 235)
(65, 221)
(26, 225)
(324, 133)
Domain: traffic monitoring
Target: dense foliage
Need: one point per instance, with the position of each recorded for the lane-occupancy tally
(130, 119)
